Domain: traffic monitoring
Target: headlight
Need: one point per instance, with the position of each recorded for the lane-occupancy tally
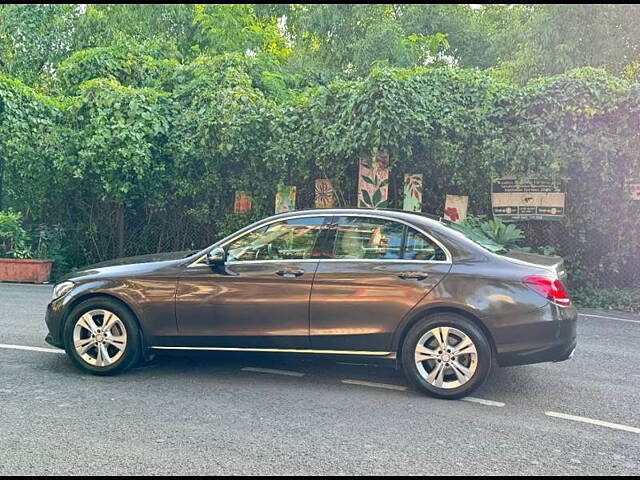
(61, 289)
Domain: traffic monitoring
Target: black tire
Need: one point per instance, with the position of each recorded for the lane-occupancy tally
(132, 350)
(464, 325)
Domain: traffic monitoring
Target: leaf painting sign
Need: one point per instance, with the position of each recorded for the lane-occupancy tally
(528, 198)
(373, 184)
(285, 198)
(455, 208)
(412, 193)
(242, 202)
(324, 193)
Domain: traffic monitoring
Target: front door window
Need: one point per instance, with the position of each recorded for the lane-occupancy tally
(293, 239)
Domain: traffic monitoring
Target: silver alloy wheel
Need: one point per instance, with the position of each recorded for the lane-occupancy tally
(100, 338)
(446, 357)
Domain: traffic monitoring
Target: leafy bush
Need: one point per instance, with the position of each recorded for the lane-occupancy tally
(122, 163)
(501, 233)
(609, 298)
(45, 242)
(14, 241)
(494, 235)
(48, 243)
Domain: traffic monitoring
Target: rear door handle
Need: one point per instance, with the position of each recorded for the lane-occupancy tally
(290, 272)
(413, 275)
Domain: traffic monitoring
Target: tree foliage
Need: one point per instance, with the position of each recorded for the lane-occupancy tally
(35, 38)
(571, 36)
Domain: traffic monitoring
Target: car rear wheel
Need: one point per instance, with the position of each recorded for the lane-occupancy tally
(102, 337)
(446, 356)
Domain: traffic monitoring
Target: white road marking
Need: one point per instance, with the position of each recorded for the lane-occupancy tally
(482, 401)
(593, 422)
(272, 371)
(401, 388)
(610, 318)
(31, 349)
(357, 364)
(387, 386)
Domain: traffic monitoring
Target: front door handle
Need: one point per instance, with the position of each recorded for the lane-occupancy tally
(290, 272)
(413, 275)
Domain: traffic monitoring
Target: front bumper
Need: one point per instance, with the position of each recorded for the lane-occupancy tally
(549, 335)
(53, 319)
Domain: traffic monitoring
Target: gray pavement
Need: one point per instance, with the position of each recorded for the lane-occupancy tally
(204, 414)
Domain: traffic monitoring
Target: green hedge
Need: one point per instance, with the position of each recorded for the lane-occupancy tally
(621, 299)
(129, 163)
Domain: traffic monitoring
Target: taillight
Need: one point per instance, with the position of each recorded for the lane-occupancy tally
(550, 288)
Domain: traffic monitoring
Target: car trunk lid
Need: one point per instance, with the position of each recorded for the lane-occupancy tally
(550, 262)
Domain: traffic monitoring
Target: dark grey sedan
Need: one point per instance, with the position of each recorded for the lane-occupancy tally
(372, 283)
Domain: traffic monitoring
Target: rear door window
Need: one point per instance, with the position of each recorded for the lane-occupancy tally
(362, 238)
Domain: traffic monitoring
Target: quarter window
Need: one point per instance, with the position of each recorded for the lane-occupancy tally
(287, 240)
(418, 247)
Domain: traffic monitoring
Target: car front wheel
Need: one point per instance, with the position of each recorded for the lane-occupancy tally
(102, 337)
(446, 356)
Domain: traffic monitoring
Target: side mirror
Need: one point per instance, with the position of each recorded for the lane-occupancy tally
(216, 257)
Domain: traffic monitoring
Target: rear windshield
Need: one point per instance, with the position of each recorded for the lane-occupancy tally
(469, 233)
(480, 240)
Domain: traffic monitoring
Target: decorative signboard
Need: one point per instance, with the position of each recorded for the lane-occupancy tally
(324, 193)
(242, 202)
(412, 192)
(373, 181)
(285, 198)
(632, 186)
(528, 198)
(455, 208)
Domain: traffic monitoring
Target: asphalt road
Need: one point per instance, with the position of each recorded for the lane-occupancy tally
(214, 414)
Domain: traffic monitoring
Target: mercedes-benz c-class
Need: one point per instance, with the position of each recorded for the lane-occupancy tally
(342, 282)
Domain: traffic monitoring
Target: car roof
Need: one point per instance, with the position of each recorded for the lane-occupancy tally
(387, 212)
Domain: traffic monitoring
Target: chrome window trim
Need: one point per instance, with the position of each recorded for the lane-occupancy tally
(196, 263)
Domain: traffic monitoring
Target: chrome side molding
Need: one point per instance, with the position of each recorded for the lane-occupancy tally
(390, 355)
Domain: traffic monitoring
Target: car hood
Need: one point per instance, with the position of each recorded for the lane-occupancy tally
(129, 265)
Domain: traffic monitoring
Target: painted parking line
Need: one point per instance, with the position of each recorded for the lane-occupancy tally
(401, 388)
(386, 386)
(592, 421)
(609, 318)
(273, 371)
(482, 401)
(353, 364)
(31, 349)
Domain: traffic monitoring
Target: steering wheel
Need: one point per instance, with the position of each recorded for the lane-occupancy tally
(269, 250)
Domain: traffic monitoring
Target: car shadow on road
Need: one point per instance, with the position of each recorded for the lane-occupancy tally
(215, 363)
(503, 384)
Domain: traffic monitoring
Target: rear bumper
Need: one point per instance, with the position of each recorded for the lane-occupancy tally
(547, 335)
